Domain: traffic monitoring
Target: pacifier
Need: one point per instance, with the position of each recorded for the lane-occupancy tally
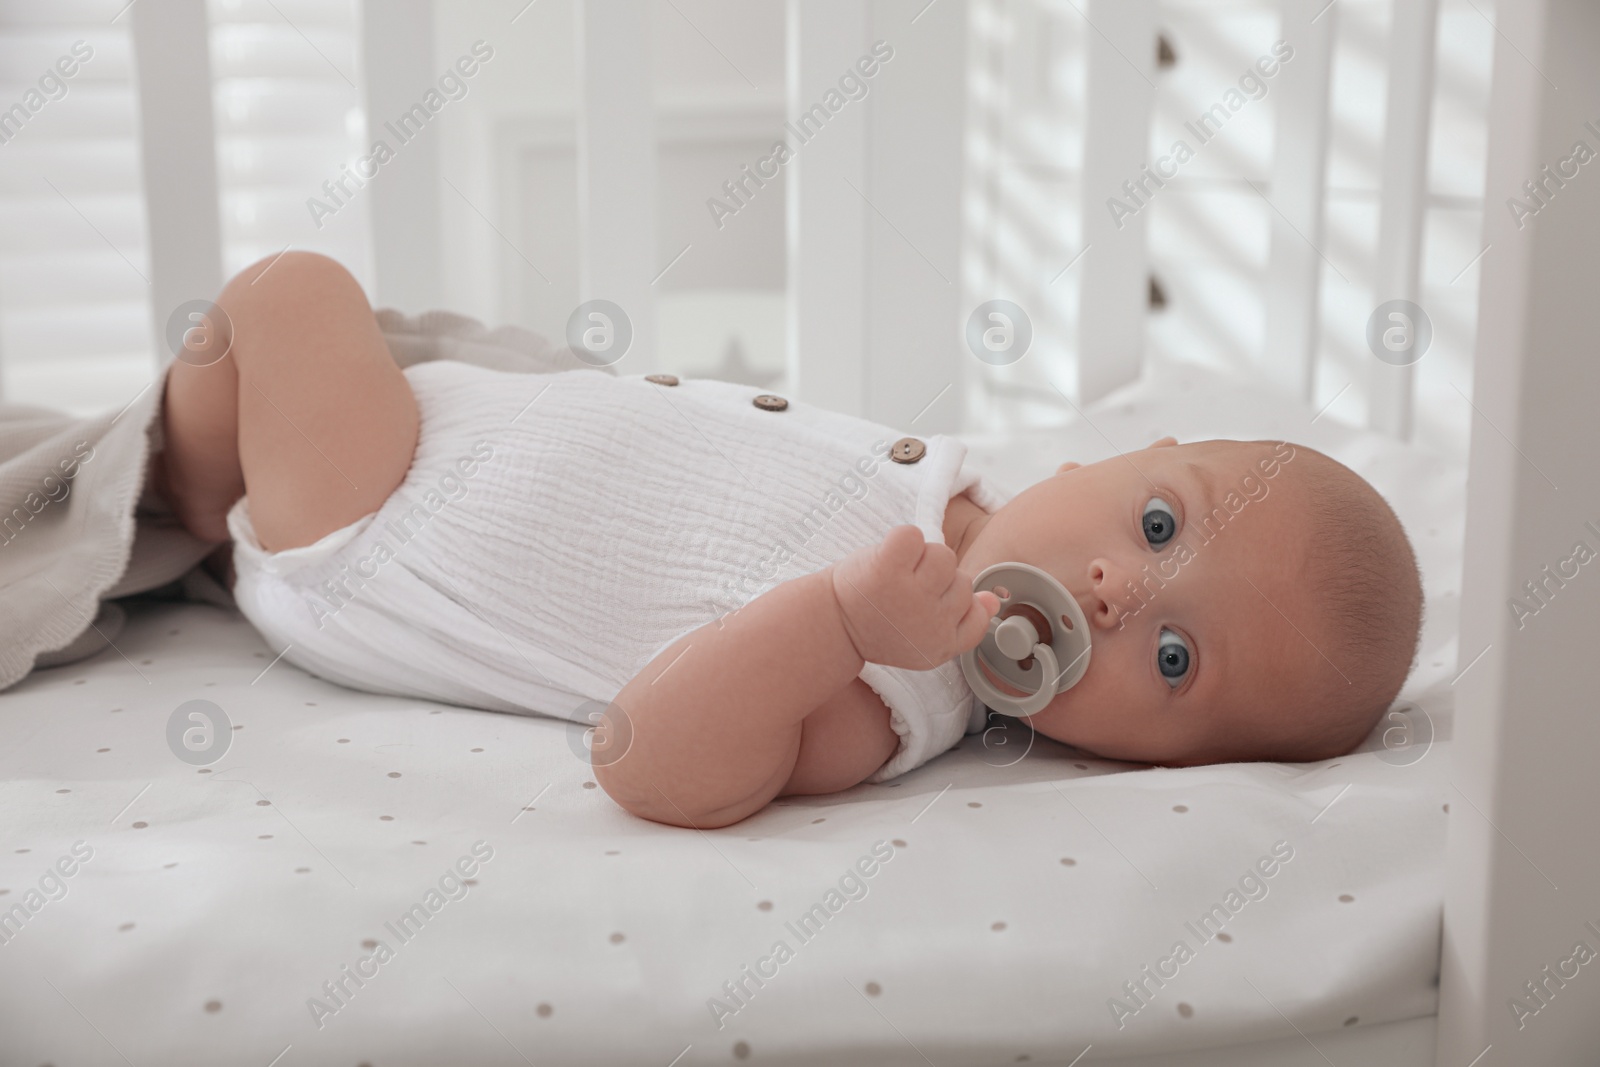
(1038, 641)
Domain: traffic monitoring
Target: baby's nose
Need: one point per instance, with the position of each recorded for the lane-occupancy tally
(1103, 606)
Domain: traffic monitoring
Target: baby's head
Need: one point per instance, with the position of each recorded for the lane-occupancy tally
(1250, 600)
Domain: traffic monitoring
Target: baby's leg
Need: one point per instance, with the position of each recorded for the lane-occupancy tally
(307, 412)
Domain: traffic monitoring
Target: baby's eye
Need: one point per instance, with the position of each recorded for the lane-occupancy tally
(1159, 525)
(1172, 657)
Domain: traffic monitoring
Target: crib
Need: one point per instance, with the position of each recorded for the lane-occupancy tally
(879, 323)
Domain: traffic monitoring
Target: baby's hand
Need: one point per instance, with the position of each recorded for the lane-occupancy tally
(904, 603)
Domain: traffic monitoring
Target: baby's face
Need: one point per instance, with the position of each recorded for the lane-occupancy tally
(1186, 560)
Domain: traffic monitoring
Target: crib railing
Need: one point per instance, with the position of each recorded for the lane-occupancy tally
(873, 315)
(177, 144)
(1526, 728)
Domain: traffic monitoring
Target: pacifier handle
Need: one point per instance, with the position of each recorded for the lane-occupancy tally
(1015, 636)
(1004, 702)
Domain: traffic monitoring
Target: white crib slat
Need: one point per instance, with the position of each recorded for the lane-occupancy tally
(914, 155)
(1115, 271)
(827, 211)
(1299, 170)
(1405, 196)
(397, 69)
(617, 255)
(1522, 875)
(987, 104)
(177, 139)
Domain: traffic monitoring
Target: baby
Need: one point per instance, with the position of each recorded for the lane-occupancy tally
(751, 598)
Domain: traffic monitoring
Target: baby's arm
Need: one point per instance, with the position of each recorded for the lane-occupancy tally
(711, 729)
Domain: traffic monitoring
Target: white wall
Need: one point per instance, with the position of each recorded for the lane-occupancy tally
(718, 68)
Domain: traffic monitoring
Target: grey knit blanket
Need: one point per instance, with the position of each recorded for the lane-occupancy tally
(79, 527)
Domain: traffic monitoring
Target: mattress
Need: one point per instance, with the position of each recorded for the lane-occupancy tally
(366, 879)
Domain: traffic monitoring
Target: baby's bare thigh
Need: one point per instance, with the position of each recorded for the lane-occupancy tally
(327, 421)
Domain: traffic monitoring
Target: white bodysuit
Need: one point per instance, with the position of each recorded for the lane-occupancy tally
(556, 531)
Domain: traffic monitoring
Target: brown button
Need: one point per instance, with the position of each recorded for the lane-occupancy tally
(662, 379)
(768, 402)
(908, 450)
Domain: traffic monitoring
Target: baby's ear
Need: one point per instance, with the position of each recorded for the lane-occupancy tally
(1165, 442)
(1070, 465)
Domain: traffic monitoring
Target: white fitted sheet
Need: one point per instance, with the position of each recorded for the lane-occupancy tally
(249, 886)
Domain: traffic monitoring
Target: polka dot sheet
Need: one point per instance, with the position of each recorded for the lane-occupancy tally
(359, 879)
